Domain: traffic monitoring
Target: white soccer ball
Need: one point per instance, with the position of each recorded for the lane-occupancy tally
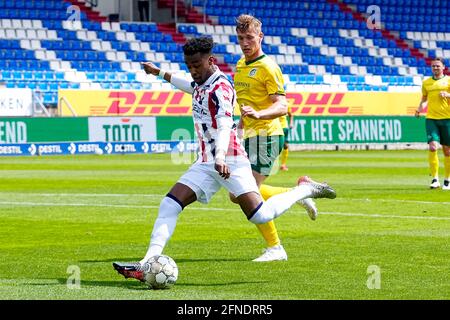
(160, 272)
(98, 151)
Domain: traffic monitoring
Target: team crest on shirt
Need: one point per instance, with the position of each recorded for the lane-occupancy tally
(252, 72)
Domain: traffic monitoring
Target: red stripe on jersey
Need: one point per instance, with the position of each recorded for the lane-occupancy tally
(234, 147)
(212, 108)
(227, 94)
(201, 143)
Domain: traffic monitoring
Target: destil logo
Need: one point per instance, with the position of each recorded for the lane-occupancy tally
(149, 103)
(122, 132)
(317, 103)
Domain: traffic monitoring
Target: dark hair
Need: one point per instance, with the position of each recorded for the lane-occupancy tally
(196, 45)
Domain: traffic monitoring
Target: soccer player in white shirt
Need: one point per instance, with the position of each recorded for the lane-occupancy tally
(222, 161)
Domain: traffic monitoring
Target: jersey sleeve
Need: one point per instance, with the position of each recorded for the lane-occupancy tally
(225, 96)
(274, 81)
(424, 90)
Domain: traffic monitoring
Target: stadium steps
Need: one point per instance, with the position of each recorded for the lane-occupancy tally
(90, 13)
(189, 14)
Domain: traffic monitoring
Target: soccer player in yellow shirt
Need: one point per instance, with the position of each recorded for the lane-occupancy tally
(261, 96)
(435, 93)
(286, 128)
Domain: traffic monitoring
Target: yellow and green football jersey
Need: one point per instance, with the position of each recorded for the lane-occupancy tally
(283, 119)
(438, 107)
(254, 82)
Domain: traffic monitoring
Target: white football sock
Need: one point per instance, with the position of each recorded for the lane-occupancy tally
(278, 204)
(164, 226)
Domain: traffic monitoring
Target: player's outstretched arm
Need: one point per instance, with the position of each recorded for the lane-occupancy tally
(178, 82)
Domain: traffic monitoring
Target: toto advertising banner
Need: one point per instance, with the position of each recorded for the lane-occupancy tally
(122, 129)
(16, 103)
(176, 103)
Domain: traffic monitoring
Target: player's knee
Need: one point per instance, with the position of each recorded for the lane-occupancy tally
(169, 206)
(233, 198)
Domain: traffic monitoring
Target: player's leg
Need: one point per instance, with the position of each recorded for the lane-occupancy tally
(269, 150)
(195, 184)
(170, 207)
(446, 185)
(260, 151)
(245, 189)
(268, 191)
(445, 142)
(433, 145)
(285, 151)
(263, 212)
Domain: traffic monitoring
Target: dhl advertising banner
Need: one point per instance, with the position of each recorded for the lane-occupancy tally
(353, 103)
(177, 103)
(125, 103)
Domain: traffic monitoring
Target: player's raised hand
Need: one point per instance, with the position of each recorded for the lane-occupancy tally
(150, 68)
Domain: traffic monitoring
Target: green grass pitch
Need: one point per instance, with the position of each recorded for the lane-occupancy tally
(64, 214)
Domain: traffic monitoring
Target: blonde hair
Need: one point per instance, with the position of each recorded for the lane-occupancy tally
(439, 59)
(246, 21)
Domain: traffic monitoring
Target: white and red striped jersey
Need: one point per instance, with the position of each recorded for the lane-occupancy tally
(213, 99)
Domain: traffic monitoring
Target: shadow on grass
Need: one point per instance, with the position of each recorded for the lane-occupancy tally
(178, 260)
(217, 284)
(135, 285)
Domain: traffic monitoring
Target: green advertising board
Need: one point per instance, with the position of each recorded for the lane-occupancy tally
(174, 128)
(306, 130)
(26, 130)
(325, 129)
(356, 129)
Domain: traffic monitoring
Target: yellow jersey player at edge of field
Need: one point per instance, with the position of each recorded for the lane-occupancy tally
(435, 95)
(261, 98)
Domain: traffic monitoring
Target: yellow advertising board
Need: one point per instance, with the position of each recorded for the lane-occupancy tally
(177, 103)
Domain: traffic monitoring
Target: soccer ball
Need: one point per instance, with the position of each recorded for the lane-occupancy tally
(160, 272)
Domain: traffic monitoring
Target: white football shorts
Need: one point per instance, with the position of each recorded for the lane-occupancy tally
(205, 181)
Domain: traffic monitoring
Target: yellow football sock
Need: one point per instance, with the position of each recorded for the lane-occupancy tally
(268, 230)
(284, 156)
(447, 168)
(269, 233)
(433, 160)
(269, 191)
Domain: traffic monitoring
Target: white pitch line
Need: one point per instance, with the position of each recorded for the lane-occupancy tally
(83, 194)
(382, 216)
(8, 203)
(396, 200)
(150, 195)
